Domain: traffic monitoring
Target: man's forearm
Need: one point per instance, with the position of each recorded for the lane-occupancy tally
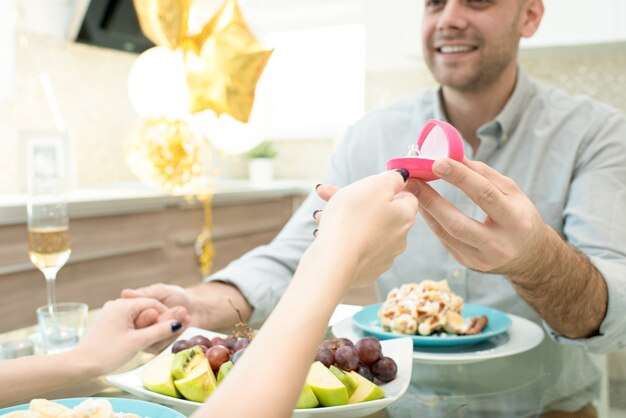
(211, 306)
(564, 287)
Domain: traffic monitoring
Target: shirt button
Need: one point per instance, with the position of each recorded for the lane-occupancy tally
(456, 274)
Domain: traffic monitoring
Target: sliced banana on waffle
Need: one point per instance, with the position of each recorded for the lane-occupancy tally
(48, 409)
(454, 322)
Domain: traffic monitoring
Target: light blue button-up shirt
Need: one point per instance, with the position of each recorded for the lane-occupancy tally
(568, 154)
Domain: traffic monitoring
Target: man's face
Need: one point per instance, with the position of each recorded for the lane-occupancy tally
(468, 44)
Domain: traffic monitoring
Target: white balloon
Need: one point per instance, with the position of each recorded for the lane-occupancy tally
(157, 84)
(226, 133)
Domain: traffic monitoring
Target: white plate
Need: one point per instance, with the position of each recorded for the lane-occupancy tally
(522, 336)
(398, 349)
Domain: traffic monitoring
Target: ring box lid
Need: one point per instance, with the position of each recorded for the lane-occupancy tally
(438, 139)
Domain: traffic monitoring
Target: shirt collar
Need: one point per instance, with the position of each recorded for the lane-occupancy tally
(507, 120)
(511, 114)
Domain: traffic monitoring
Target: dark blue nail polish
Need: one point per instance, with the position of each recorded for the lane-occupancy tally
(315, 212)
(315, 233)
(176, 326)
(404, 173)
(318, 185)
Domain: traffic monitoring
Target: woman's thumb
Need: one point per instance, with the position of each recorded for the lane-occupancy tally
(160, 331)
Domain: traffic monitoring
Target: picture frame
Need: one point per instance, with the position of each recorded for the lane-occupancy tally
(45, 157)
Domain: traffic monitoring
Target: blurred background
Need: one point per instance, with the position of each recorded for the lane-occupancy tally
(333, 61)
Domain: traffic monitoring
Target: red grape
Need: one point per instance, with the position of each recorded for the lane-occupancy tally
(326, 356)
(219, 341)
(365, 371)
(344, 341)
(369, 350)
(181, 345)
(347, 358)
(200, 340)
(217, 355)
(385, 369)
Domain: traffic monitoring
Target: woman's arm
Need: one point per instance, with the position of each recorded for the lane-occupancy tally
(364, 227)
(112, 341)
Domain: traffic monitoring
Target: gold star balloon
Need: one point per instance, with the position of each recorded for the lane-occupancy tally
(224, 63)
(164, 22)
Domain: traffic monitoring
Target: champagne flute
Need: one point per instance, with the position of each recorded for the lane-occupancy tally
(48, 230)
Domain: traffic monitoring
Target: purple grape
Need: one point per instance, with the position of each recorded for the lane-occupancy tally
(230, 342)
(385, 369)
(330, 344)
(326, 356)
(200, 340)
(241, 344)
(236, 356)
(369, 350)
(181, 345)
(365, 371)
(347, 358)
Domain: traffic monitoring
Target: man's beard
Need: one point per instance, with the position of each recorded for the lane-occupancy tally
(479, 73)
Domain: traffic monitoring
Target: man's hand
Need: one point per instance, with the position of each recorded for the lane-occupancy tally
(511, 235)
(173, 297)
(514, 241)
(208, 305)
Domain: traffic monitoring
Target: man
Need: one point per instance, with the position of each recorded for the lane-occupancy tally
(547, 242)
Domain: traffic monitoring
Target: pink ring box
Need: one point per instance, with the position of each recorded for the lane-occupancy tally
(438, 139)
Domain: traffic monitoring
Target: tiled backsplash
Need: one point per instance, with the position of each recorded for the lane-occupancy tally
(90, 84)
(91, 87)
(597, 71)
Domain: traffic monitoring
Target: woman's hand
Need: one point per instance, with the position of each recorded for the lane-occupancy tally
(371, 219)
(114, 338)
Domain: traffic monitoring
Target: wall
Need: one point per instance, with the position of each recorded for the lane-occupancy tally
(593, 70)
(90, 84)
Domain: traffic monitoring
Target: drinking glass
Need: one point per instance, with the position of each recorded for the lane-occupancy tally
(64, 330)
(48, 229)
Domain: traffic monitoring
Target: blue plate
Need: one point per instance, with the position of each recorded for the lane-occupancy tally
(499, 322)
(141, 408)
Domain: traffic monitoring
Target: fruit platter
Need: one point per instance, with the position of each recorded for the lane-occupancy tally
(347, 378)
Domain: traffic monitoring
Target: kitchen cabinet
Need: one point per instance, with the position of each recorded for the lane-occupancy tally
(111, 252)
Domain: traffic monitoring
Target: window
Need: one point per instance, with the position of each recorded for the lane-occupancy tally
(314, 83)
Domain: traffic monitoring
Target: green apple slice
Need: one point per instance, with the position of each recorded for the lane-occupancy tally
(366, 390)
(345, 378)
(328, 390)
(199, 384)
(307, 398)
(156, 376)
(224, 370)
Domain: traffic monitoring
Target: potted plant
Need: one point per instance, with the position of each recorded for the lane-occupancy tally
(261, 162)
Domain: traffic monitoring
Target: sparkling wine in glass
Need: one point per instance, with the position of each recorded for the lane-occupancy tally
(48, 230)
